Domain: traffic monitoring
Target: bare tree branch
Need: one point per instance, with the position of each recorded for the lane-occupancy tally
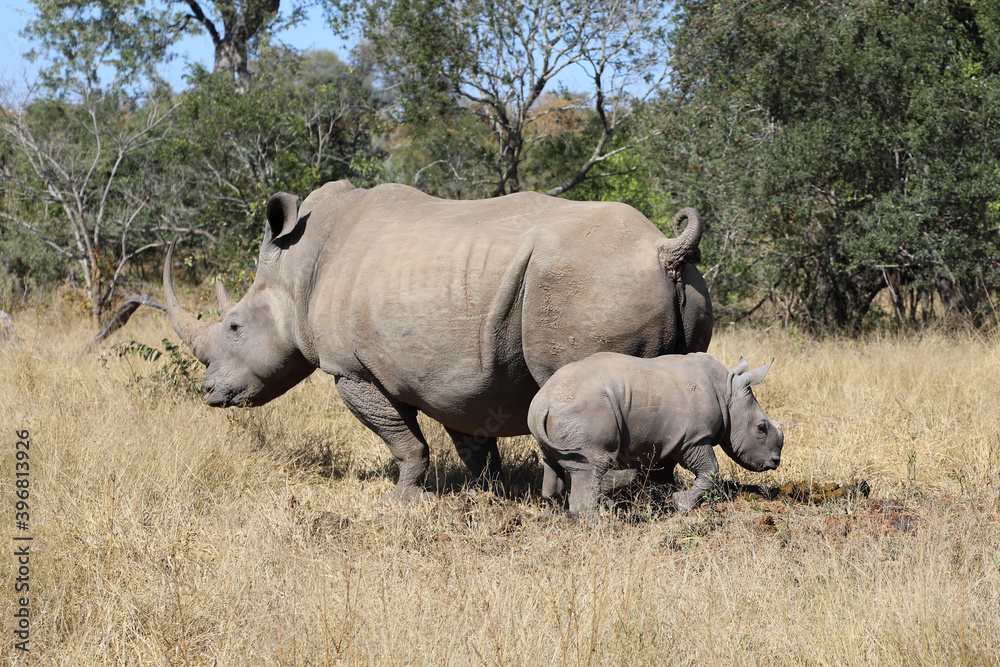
(121, 318)
(27, 225)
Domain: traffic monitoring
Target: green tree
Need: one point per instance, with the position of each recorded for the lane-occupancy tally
(450, 62)
(305, 119)
(134, 38)
(624, 177)
(839, 149)
(82, 179)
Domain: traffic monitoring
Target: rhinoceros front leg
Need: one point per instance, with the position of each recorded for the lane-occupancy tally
(699, 459)
(480, 455)
(397, 425)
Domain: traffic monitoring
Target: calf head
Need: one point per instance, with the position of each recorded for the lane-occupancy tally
(754, 442)
(251, 355)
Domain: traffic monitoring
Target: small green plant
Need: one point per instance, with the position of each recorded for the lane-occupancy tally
(176, 374)
(137, 349)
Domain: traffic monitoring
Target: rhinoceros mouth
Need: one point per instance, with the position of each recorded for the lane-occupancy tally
(220, 398)
(217, 399)
(772, 464)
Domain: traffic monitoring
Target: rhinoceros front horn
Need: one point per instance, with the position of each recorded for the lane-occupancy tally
(191, 330)
(684, 246)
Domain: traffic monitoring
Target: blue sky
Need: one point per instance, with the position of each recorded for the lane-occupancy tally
(14, 14)
(310, 34)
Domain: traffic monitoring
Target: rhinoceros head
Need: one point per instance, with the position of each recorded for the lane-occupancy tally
(251, 355)
(754, 442)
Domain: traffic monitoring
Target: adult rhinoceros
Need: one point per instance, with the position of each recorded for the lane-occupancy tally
(461, 309)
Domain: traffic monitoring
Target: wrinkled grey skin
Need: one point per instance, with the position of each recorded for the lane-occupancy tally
(460, 309)
(615, 411)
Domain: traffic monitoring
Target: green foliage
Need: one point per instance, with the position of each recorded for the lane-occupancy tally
(28, 269)
(130, 40)
(837, 149)
(78, 37)
(175, 374)
(623, 177)
(470, 81)
(81, 178)
(303, 120)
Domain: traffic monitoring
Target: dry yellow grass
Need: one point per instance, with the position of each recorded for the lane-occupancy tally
(166, 531)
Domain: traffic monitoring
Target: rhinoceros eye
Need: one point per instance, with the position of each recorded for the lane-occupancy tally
(762, 427)
(234, 327)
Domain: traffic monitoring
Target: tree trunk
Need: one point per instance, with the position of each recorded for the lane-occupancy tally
(96, 309)
(231, 57)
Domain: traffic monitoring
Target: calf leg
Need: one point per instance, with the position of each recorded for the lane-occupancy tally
(396, 424)
(553, 480)
(585, 486)
(618, 480)
(699, 459)
(480, 455)
(621, 479)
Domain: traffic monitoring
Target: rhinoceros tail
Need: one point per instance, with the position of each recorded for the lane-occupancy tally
(538, 417)
(683, 248)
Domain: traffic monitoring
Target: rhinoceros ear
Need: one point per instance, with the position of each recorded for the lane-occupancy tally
(741, 367)
(282, 214)
(756, 376)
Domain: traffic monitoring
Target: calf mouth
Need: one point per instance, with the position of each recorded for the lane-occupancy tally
(765, 465)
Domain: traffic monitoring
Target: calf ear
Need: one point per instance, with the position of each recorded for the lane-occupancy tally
(755, 376)
(741, 367)
(282, 214)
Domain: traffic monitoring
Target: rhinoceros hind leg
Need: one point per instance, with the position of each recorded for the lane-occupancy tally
(585, 488)
(397, 425)
(482, 457)
(553, 482)
(618, 480)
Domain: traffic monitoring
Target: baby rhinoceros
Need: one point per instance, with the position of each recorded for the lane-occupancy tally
(612, 411)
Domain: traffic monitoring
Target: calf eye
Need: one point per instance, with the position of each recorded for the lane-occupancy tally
(762, 427)
(234, 327)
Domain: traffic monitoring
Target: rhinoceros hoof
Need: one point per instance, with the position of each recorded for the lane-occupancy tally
(590, 517)
(685, 500)
(552, 510)
(408, 495)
